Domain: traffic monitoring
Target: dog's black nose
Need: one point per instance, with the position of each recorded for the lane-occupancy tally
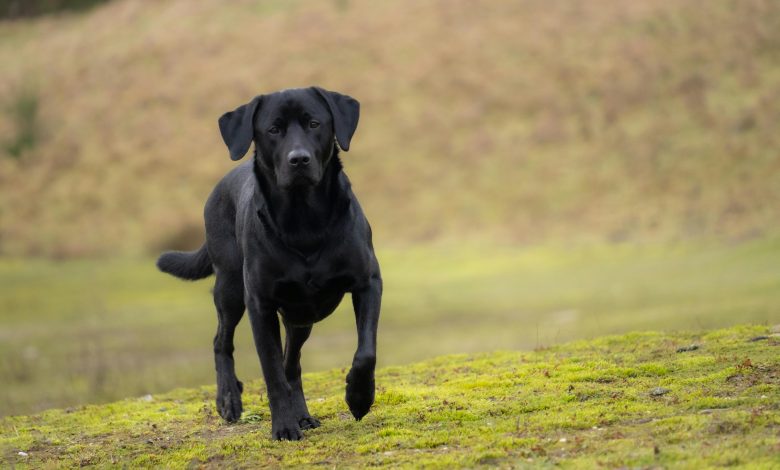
(299, 158)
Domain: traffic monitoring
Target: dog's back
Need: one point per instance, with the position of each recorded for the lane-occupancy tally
(220, 219)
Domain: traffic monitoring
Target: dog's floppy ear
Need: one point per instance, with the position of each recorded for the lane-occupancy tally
(345, 111)
(237, 128)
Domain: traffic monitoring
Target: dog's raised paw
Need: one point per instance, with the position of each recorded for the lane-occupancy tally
(360, 393)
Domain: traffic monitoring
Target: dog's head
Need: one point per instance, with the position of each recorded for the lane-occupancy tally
(293, 131)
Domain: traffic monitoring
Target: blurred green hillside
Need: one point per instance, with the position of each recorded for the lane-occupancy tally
(91, 331)
(513, 121)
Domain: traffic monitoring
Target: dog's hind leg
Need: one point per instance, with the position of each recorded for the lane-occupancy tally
(229, 300)
(295, 337)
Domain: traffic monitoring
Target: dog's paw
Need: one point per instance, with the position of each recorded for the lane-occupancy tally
(309, 422)
(229, 401)
(286, 431)
(360, 392)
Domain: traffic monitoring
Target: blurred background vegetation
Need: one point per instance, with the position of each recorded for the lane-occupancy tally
(10, 9)
(534, 172)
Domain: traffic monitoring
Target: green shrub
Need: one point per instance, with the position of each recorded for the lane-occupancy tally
(23, 111)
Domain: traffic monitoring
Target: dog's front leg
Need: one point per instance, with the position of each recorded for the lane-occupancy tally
(360, 380)
(296, 336)
(265, 329)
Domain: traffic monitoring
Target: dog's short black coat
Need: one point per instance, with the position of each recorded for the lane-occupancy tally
(285, 233)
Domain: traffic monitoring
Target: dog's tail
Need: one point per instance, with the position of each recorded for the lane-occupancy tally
(190, 265)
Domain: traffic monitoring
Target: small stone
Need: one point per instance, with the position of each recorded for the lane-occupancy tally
(22, 453)
(758, 338)
(563, 439)
(147, 398)
(659, 391)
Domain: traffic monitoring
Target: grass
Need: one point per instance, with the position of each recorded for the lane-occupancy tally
(638, 400)
(86, 331)
(580, 121)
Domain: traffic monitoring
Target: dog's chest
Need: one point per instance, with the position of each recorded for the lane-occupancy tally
(299, 283)
(309, 287)
(306, 296)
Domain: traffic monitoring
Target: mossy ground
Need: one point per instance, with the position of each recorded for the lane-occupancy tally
(581, 405)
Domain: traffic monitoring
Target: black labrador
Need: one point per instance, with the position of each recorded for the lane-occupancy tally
(285, 233)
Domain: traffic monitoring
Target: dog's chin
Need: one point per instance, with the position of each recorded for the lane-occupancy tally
(298, 182)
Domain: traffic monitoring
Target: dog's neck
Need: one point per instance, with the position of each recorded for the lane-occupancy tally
(303, 218)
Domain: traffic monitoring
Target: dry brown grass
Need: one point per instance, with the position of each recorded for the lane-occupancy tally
(518, 121)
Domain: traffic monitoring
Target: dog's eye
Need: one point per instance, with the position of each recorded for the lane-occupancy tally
(273, 130)
(314, 124)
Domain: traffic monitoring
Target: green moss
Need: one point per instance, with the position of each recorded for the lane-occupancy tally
(547, 408)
